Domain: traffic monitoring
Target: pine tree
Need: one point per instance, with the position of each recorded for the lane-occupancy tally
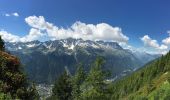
(33, 92)
(94, 85)
(5, 96)
(77, 80)
(2, 46)
(62, 88)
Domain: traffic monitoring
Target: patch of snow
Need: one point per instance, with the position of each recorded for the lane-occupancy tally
(95, 46)
(106, 47)
(49, 47)
(50, 50)
(19, 48)
(64, 44)
(83, 44)
(44, 44)
(30, 45)
(68, 53)
(71, 47)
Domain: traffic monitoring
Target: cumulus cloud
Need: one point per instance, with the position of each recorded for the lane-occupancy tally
(40, 28)
(15, 14)
(37, 22)
(101, 31)
(167, 40)
(34, 34)
(9, 37)
(152, 43)
(151, 46)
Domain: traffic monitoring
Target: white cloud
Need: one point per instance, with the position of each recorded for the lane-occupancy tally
(7, 15)
(15, 14)
(34, 34)
(37, 22)
(163, 47)
(9, 37)
(42, 29)
(101, 31)
(148, 42)
(167, 40)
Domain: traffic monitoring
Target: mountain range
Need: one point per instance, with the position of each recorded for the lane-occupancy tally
(45, 61)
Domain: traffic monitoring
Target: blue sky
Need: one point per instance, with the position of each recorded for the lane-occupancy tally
(136, 18)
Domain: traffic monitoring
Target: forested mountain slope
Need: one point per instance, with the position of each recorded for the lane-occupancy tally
(150, 82)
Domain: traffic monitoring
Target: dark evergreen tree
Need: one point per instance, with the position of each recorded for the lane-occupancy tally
(62, 88)
(77, 81)
(92, 86)
(95, 87)
(2, 46)
(34, 93)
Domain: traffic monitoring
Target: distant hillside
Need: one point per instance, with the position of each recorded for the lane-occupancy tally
(45, 61)
(150, 82)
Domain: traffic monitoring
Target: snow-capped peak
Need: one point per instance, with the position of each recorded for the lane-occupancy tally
(30, 45)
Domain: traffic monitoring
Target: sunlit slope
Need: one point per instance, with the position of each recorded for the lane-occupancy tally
(150, 82)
